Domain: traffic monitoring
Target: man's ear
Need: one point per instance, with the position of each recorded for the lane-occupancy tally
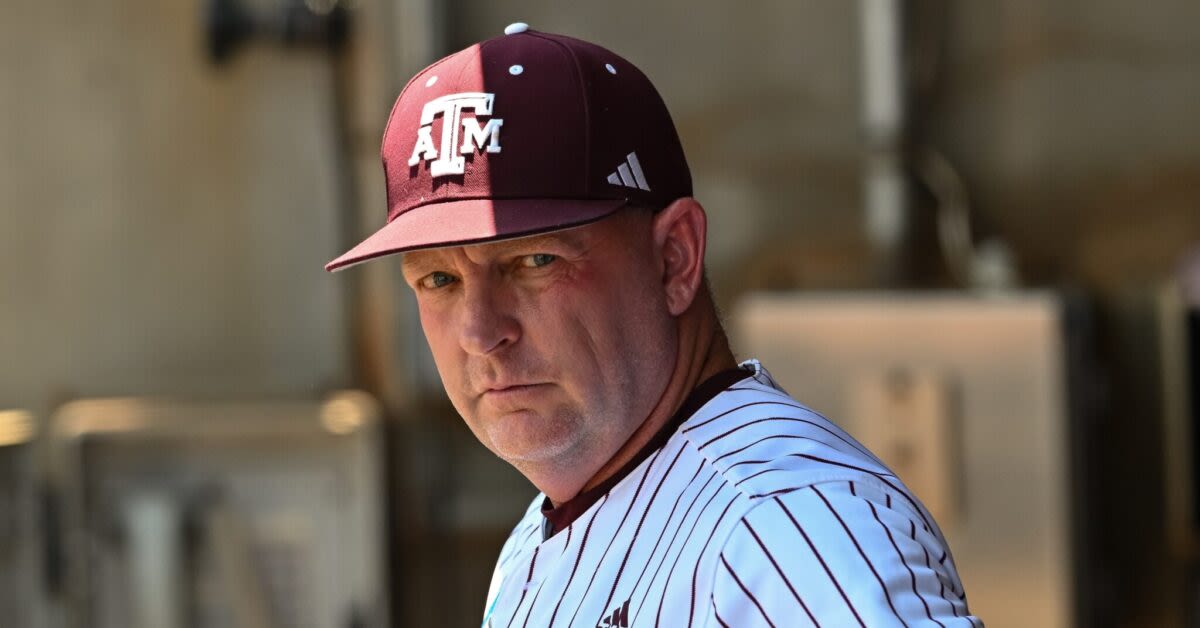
(679, 238)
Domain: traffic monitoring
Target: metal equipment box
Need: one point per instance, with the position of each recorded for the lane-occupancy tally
(18, 538)
(260, 515)
(971, 400)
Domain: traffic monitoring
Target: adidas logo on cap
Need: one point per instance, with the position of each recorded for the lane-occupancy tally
(629, 174)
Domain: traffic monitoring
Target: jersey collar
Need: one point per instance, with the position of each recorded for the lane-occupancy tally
(558, 518)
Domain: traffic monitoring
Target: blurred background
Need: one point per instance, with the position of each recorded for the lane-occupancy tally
(968, 231)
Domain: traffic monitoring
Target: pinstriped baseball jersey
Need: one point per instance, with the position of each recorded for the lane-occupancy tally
(756, 512)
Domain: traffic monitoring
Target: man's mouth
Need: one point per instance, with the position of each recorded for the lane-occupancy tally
(513, 392)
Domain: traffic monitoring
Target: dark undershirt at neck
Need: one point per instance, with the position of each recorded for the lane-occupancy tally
(564, 514)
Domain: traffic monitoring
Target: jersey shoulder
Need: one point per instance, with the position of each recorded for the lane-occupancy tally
(766, 443)
(838, 553)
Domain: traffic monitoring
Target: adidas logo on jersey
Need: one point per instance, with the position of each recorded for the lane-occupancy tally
(618, 617)
(629, 174)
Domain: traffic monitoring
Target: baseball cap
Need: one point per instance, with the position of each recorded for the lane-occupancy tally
(522, 134)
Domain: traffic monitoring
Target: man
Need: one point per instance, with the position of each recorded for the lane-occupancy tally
(540, 194)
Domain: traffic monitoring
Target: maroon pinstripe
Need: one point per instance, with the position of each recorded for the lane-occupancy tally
(858, 547)
(525, 589)
(612, 538)
(641, 522)
(667, 551)
(746, 591)
(716, 614)
(790, 420)
(904, 561)
(575, 568)
(821, 559)
(696, 571)
(775, 564)
(682, 546)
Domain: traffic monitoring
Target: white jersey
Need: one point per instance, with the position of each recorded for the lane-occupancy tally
(756, 512)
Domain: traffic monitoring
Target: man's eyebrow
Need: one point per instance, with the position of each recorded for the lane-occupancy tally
(417, 265)
(421, 263)
(561, 238)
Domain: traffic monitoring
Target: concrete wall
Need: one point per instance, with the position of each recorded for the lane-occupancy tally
(1074, 125)
(162, 224)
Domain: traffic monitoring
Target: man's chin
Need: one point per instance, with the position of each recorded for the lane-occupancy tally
(526, 437)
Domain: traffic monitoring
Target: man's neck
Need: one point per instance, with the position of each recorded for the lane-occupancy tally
(703, 352)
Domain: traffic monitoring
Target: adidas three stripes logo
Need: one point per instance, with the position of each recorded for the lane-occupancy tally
(629, 174)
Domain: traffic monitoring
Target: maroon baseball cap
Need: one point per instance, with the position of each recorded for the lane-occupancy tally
(518, 135)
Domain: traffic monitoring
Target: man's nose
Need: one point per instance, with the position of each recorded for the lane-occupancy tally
(487, 324)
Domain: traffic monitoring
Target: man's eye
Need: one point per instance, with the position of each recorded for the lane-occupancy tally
(437, 280)
(537, 260)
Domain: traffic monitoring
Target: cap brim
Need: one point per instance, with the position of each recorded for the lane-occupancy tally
(473, 221)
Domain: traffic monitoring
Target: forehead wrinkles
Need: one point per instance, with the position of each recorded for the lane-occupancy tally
(418, 263)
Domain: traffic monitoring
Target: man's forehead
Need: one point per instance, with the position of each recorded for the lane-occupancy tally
(574, 237)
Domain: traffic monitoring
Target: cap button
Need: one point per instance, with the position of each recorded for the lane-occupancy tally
(516, 27)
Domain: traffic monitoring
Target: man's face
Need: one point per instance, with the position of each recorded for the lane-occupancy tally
(553, 348)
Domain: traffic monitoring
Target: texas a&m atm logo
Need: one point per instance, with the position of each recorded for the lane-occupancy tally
(447, 158)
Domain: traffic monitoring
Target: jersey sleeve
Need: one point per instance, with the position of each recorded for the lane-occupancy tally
(836, 554)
